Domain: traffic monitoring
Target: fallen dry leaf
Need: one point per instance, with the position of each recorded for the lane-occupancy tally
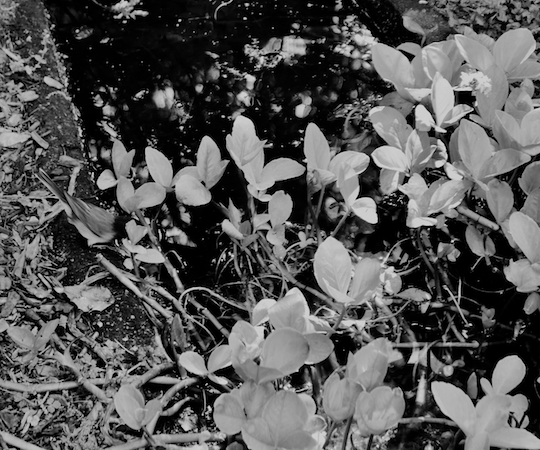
(95, 298)
(12, 139)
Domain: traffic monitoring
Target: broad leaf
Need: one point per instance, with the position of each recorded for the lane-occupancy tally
(280, 208)
(523, 275)
(159, 167)
(285, 350)
(476, 54)
(148, 195)
(442, 98)
(209, 163)
(332, 265)
(22, 336)
(219, 358)
(124, 192)
(513, 48)
(531, 207)
(530, 129)
(357, 162)
(194, 363)
(508, 374)
(500, 199)
(390, 125)
(229, 414)
(479, 244)
(474, 146)
(455, 404)
(435, 61)
(494, 100)
(316, 148)
(526, 233)
(393, 66)
(281, 169)
(320, 347)
(367, 278)
(366, 209)
(290, 311)
(503, 161)
(507, 437)
(106, 180)
(122, 160)
(243, 144)
(390, 158)
(129, 404)
(190, 191)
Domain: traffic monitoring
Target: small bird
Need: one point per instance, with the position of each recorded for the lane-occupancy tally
(93, 223)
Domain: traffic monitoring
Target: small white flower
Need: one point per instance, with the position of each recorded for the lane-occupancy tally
(476, 81)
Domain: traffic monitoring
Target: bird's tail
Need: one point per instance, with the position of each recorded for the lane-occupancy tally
(51, 185)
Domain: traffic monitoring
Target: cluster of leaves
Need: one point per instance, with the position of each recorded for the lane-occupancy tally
(468, 148)
(441, 155)
(492, 18)
(449, 161)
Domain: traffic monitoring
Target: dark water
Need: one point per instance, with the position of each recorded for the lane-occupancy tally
(198, 50)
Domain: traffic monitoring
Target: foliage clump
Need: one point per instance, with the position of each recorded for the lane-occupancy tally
(491, 17)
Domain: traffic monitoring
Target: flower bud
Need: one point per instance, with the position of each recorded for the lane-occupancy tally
(339, 397)
(379, 410)
(369, 365)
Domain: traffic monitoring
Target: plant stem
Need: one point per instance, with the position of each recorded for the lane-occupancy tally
(340, 224)
(369, 442)
(339, 320)
(155, 243)
(346, 433)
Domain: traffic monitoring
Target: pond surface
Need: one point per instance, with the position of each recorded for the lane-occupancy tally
(187, 68)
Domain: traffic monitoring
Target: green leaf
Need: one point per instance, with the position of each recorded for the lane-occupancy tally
(320, 347)
(435, 61)
(316, 148)
(193, 362)
(488, 103)
(332, 265)
(22, 336)
(507, 437)
(479, 244)
(513, 48)
(281, 169)
(159, 167)
(151, 410)
(508, 374)
(106, 180)
(476, 54)
(284, 350)
(500, 199)
(503, 161)
(229, 414)
(367, 278)
(219, 358)
(124, 193)
(393, 66)
(190, 191)
(442, 98)
(148, 195)
(455, 404)
(366, 209)
(390, 125)
(290, 311)
(209, 163)
(474, 146)
(280, 208)
(390, 158)
(526, 233)
(129, 404)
